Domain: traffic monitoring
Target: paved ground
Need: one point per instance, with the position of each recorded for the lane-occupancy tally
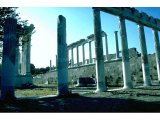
(140, 99)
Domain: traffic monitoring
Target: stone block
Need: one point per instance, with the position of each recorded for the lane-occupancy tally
(151, 20)
(144, 16)
(127, 11)
(157, 22)
(135, 12)
(22, 80)
(86, 82)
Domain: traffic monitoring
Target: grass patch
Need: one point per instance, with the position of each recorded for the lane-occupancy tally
(35, 92)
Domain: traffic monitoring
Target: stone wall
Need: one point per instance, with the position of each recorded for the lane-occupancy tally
(113, 71)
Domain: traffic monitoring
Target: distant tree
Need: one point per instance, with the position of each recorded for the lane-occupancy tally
(33, 69)
(47, 69)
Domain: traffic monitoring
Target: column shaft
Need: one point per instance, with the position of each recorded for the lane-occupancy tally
(24, 52)
(50, 65)
(90, 52)
(125, 55)
(101, 85)
(144, 56)
(72, 58)
(17, 59)
(117, 46)
(83, 53)
(62, 57)
(106, 43)
(8, 61)
(28, 66)
(157, 50)
(77, 55)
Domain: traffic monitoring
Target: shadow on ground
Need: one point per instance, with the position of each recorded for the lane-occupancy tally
(77, 103)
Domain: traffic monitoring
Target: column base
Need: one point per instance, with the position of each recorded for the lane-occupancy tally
(147, 84)
(63, 90)
(101, 89)
(128, 86)
(7, 93)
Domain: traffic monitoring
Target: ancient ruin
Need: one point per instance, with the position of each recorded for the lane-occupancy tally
(23, 57)
(62, 57)
(16, 53)
(141, 19)
(15, 71)
(8, 61)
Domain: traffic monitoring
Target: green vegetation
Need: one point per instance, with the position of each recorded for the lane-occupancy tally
(42, 91)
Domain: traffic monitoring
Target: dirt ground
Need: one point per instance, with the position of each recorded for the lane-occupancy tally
(139, 99)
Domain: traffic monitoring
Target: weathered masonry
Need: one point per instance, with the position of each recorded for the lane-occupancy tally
(14, 72)
(23, 49)
(141, 19)
(89, 40)
(62, 57)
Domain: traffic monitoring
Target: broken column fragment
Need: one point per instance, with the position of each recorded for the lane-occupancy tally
(62, 57)
(8, 62)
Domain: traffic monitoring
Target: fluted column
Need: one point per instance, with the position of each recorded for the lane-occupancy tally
(157, 50)
(8, 61)
(83, 54)
(62, 57)
(144, 56)
(90, 52)
(77, 48)
(101, 85)
(125, 55)
(106, 44)
(117, 46)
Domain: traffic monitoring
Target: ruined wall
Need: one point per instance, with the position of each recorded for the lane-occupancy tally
(113, 71)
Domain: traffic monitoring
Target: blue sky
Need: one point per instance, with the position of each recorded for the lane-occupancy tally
(79, 25)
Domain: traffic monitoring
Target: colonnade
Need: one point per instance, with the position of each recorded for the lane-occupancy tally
(89, 41)
(142, 20)
(10, 61)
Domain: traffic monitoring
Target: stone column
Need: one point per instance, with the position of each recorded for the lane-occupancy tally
(157, 50)
(28, 52)
(117, 46)
(62, 57)
(77, 55)
(72, 57)
(24, 52)
(144, 56)
(90, 52)
(106, 43)
(17, 64)
(8, 62)
(17, 58)
(125, 55)
(101, 85)
(56, 62)
(83, 54)
(50, 66)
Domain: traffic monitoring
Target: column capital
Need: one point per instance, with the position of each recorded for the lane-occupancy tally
(115, 31)
(95, 9)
